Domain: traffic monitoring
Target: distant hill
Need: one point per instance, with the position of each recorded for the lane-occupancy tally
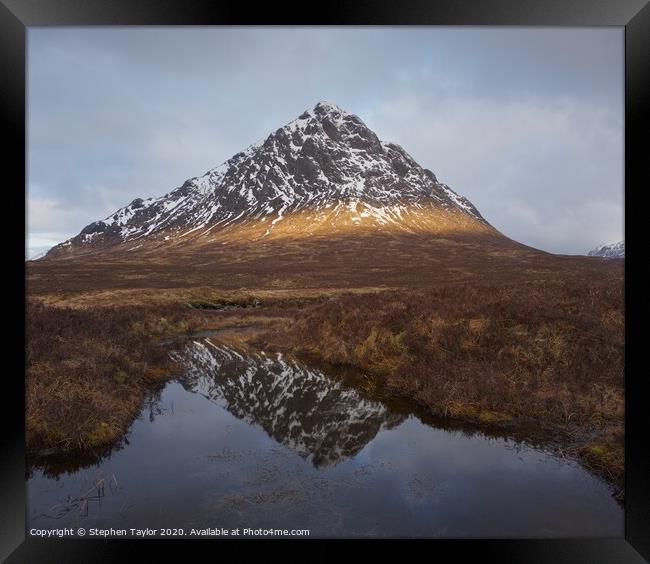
(613, 250)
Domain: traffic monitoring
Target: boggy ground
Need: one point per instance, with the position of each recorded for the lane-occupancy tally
(90, 367)
(547, 354)
(481, 329)
(318, 262)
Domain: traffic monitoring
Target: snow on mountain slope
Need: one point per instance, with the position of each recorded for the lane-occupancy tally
(612, 250)
(325, 162)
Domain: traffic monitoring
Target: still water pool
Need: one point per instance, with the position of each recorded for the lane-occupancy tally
(259, 441)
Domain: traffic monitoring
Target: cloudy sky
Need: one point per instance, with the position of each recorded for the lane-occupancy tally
(526, 122)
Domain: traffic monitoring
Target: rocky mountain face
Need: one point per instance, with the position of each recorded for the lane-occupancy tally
(613, 250)
(303, 409)
(325, 167)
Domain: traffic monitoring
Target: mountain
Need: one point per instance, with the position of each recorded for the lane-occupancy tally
(613, 250)
(323, 172)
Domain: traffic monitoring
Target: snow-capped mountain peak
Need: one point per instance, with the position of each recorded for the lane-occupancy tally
(611, 250)
(326, 166)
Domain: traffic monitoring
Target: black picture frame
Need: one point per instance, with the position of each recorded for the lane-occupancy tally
(17, 15)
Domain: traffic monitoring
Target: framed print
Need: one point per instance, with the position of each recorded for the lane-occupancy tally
(291, 281)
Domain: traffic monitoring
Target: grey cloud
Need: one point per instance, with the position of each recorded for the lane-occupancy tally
(522, 121)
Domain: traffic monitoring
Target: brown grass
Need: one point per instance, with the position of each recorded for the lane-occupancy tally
(88, 371)
(550, 353)
(471, 326)
(311, 264)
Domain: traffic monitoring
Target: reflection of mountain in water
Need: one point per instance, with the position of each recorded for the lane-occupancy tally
(299, 407)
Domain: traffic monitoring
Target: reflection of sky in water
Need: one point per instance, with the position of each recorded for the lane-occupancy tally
(198, 465)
